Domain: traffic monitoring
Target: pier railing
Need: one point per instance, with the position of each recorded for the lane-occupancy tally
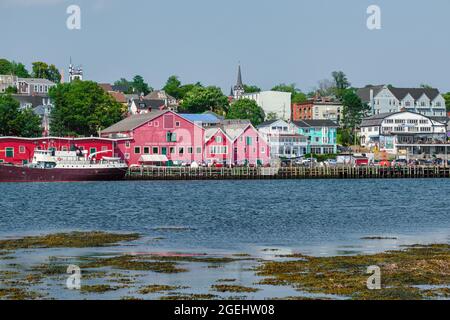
(338, 172)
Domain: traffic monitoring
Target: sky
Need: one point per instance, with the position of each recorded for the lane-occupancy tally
(282, 41)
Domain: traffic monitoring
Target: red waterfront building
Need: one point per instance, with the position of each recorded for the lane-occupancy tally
(18, 150)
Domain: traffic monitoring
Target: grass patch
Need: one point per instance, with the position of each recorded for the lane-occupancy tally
(346, 275)
(67, 240)
(232, 288)
(156, 288)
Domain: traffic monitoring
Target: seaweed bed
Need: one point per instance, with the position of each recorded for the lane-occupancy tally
(416, 272)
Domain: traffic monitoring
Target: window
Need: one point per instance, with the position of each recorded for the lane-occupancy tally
(24, 162)
(92, 150)
(177, 124)
(104, 148)
(1, 161)
(171, 137)
(263, 150)
(181, 150)
(172, 150)
(218, 149)
(156, 124)
(190, 150)
(218, 139)
(164, 150)
(248, 141)
(137, 150)
(146, 150)
(150, 123)
(155, 150)
(9, 152)
(127, 156)
(127, 144)
(21, 149)
(199, 149)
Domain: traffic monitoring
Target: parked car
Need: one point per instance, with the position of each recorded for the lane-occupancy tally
(330, 162)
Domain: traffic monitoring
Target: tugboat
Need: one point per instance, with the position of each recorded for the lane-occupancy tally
(64, 166)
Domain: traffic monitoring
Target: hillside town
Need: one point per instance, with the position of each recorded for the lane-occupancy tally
(374, 125)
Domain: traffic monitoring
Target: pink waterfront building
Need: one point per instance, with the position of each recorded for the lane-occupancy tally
(167, 137)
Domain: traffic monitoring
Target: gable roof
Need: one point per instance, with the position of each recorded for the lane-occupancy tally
(106, 86)
(377, 120)
(118, 96)
(315, 123)
(134, 121)
(37, 81)
(142, 104)
(159, 95)
(399, 93)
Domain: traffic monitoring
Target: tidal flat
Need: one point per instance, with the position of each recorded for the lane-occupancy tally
(114, 266)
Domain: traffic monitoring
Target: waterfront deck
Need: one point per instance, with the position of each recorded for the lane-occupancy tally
(340, 172)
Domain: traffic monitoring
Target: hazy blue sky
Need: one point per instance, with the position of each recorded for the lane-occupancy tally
(300, 41)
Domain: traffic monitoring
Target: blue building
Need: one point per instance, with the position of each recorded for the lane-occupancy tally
(321, 135)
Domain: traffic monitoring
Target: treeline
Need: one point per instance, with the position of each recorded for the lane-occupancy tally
(39, 70)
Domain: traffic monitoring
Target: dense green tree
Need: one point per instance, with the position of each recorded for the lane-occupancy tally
(11, 90)
(354, 110)
(5, 66)
(137, 85)
(176, 89)
(140, 86)
(341, 83)
(19, 69)
(251, 89)
(44, 71)
(82, 108)
(201, 99)
(447, 100)
(297, 95)
(14, 68)
(246, 109)
(16, 122)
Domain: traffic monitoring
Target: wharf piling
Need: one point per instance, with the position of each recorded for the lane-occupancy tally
(260, 173)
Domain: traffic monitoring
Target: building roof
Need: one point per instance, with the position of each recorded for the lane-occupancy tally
(37, 81)
(364, 93)
(205, 118)
(315, 123)
(159, 95)
(106, 86)
(118, 96)
(133, 122)
(267, 123)
(399, 93)
(377, 120)
(144, 104)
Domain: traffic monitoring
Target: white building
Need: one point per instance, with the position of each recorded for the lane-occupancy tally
(385, 99)
(272, 102)
(283, 140)
(7, 81)
(404, 133)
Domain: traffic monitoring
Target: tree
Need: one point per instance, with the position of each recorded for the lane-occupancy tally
(297, 95)
(200, 99)
(82, 108)
(354, 110)
(16, 122)
(15, 68)
(18, 69)
(246, 109)
(5, 66)
(43, 71)
(140, 86)
(341, 83)
(251, 89)
(447, 100)
(173, 87)
(137, 85)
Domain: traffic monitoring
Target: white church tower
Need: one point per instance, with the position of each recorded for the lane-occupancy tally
(75, 73)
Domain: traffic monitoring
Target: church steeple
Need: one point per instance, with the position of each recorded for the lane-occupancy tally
(238, 90)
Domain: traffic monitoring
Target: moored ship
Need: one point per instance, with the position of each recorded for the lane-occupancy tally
(64, 166)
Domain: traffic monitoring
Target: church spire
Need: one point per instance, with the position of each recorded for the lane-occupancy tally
(238, 90)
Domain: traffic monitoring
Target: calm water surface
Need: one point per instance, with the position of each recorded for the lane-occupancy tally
(321, 217)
